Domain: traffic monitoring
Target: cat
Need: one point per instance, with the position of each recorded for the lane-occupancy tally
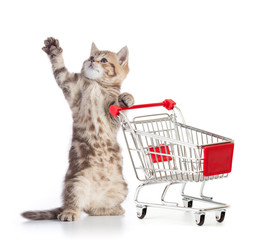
(94, 182)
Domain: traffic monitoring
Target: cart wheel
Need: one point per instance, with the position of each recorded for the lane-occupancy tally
(187, 203)
(200, 218)
(220, 217)
(190, 203)
(141, 212)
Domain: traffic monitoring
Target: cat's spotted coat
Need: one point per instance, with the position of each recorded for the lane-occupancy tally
(94, 182)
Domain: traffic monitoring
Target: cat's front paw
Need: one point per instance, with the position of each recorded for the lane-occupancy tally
(126, 100)
(52, 46)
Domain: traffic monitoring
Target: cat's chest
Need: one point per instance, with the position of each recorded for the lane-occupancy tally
(93, 99)
(93, 110)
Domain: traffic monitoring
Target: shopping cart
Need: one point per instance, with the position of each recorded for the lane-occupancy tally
(164, 150)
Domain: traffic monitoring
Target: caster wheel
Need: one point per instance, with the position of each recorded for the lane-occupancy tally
(190, 203)
(187, 203)
(200, 218)
(220, 217)
(141, 212)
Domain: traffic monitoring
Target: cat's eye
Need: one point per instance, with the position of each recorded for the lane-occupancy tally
(103, 60)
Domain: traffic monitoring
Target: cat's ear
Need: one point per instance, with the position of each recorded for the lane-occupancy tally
(94, 49)
(122, 56)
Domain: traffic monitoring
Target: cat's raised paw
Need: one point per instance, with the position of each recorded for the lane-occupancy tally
(52, 46)
(126, 100)
(68, 216)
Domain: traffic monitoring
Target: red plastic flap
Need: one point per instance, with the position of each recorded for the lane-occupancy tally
(157, 157)
(218, 159)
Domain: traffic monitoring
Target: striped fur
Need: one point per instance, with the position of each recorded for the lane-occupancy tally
(94, 182)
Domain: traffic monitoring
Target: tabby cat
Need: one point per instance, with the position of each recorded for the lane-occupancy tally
(94, 182)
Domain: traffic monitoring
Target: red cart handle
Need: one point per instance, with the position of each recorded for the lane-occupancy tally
(167, 103)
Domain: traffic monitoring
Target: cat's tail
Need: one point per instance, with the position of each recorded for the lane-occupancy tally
(42, 215)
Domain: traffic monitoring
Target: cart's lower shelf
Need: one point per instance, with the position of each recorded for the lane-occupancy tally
(187, 205)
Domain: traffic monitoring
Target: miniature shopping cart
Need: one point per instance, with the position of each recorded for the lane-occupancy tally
(164, 150)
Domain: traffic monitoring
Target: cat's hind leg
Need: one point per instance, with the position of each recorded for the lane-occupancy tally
(71, 202)
(69, 215)
(118, 210)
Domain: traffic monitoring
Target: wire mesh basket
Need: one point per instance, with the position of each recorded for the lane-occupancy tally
(163, 149)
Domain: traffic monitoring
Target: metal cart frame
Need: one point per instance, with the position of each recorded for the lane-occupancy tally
(168, 151)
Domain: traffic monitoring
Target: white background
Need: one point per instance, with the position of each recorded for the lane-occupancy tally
(205, 55)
